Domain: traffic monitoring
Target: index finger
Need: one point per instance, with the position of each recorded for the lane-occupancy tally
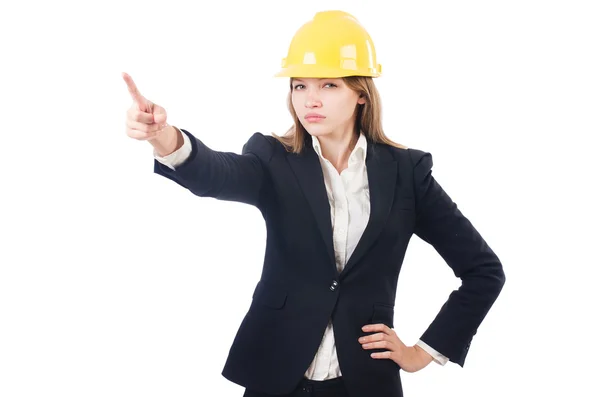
(135, 93)
(376, 327)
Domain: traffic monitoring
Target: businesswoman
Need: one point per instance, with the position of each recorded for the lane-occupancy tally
(341, 202)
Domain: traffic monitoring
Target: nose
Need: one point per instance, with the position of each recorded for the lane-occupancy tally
(312, 101)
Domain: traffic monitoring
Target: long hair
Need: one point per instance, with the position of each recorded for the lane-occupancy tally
(368, 117)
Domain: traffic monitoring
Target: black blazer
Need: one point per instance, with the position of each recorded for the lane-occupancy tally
(300, 288)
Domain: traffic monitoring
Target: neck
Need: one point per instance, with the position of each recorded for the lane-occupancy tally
(336, 147)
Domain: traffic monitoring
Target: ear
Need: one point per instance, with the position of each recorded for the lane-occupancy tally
(362, 100)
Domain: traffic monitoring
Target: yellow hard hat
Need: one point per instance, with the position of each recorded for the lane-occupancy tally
(332, 44)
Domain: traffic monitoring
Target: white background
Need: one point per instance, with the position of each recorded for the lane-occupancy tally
(115, 281)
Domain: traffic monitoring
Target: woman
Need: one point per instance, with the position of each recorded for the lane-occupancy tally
(341, 202)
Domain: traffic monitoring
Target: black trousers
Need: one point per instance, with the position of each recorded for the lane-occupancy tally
(310, 388)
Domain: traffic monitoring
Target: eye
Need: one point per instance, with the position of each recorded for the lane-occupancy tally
(297, 86)
(331, 84)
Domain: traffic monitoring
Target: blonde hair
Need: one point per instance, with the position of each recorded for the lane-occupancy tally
(368, 117)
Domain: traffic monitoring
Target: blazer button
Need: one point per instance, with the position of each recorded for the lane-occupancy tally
(333, 285)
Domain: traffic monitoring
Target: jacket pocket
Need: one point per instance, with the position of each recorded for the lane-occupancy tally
(383, 313)
(270, 295)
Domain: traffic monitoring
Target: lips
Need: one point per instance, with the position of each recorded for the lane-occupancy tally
(314, 117)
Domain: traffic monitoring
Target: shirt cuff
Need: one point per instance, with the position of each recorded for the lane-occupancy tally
(178, 156)
(437, 357)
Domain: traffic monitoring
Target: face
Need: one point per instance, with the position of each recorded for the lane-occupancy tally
(325, 106)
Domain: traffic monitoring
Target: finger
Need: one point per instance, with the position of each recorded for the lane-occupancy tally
(160, 114)
(376, 328)
(386, 354)
(372, 338)
(135, 93)
(147, 128)
(141, 135)
(384, 344)
(137, 115)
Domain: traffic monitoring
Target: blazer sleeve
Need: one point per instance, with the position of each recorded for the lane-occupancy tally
(441, 224)
(222, 175)
(178, 156)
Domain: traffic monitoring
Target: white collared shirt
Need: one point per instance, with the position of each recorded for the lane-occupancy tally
(348, 194)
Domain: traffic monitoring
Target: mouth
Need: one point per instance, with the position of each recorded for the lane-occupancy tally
(313, 117)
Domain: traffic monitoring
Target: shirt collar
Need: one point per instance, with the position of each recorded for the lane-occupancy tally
(358, 153)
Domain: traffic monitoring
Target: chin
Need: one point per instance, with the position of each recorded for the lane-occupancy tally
(317, 130)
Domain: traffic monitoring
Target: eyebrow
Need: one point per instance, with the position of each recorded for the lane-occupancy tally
(320, 78)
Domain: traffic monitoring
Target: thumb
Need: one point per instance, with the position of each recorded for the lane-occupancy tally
(160, 115)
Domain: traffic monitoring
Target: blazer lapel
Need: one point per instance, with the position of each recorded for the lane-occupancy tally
(308, 170)
(382, 171)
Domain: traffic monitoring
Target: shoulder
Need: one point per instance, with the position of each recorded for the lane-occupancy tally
(415, 162)
(410, 157)
(260, 145)
(270, 143)
(420, 158)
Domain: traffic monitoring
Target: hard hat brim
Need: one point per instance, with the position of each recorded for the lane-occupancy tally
(316, 71)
